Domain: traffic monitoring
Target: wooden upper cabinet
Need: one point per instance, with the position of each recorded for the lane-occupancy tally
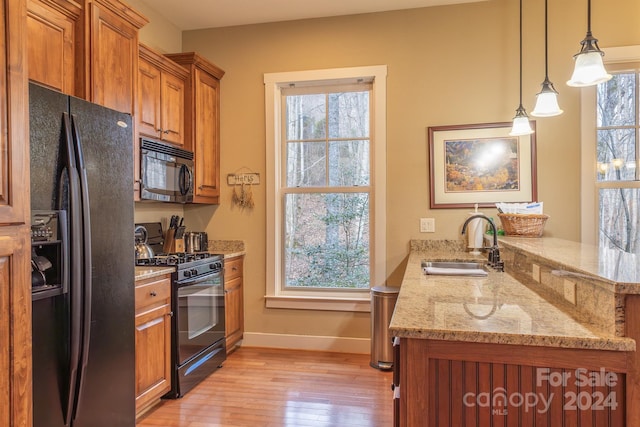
(202, 114)
(14, 115)
(54, 44)
(113, 54)
(161, 97)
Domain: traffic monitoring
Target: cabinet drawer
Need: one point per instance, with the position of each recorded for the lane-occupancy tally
(232, 268)
(153, 291)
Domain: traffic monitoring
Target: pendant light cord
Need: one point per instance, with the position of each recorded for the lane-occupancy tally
(520, 54)
(546, 43)
(588, 17)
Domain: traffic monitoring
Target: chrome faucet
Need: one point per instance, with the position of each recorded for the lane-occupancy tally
(494, 253)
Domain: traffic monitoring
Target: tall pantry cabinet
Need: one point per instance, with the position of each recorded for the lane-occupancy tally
(15, 286)
(202, 130)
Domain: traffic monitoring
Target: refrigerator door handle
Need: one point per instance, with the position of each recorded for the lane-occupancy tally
(86, 263)
(75, 293)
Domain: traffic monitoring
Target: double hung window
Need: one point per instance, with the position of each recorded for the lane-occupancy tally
(326, 168)
(618, 158)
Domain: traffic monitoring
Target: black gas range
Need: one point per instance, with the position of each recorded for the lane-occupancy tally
(198, 325)
(188, 265)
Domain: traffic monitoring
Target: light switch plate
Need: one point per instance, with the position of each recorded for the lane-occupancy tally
(427, 225)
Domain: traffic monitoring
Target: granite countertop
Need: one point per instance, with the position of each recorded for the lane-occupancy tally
(620, 269)
(147, 272)
(496, 309)
(227, 248)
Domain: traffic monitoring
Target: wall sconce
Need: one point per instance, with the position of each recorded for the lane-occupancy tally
(589, 69)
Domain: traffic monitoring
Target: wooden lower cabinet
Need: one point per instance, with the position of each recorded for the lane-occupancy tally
(233, 301)
(472, 384)
(153, 341)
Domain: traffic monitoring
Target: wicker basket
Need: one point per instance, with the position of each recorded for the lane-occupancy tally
(523, 225)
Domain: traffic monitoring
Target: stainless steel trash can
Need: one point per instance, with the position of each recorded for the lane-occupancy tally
(383, 301)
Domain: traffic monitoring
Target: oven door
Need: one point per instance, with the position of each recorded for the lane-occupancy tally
(200, 315)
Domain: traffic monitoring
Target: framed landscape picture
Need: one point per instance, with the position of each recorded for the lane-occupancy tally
(480, 163)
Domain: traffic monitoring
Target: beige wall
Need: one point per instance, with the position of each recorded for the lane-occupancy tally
(446, 65)
(159, 33)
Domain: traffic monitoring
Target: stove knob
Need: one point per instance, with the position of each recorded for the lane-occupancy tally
(187, 273)
(213, 266)
(194, 272)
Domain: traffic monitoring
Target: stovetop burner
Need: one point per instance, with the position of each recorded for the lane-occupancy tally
(174, 258)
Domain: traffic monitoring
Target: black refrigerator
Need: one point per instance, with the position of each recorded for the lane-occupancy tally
(83, 327)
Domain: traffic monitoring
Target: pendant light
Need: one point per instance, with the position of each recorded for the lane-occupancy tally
(521, 125)
(547, 99)
(589, 69)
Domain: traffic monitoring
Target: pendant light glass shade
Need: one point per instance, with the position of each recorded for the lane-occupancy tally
(547, 99)
(546, 103)
(521, 125)
(589, 69)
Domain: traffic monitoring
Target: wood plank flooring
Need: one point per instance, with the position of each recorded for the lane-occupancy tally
(283, 388)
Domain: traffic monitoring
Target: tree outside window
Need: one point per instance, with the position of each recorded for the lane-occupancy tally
(618, 142)
(327, 190)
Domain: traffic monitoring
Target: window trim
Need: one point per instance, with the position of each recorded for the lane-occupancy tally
(589, 185)
(352, 300)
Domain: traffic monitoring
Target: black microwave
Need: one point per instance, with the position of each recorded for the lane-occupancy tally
(166, 172)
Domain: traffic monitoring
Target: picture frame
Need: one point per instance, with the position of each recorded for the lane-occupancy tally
(480, 164)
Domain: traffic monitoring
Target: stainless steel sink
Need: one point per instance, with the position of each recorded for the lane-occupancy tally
(454, 268)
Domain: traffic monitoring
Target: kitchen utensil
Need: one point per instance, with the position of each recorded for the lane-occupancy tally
(196, 241)
(143, 250)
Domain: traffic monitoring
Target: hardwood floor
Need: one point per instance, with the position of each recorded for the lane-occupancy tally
(277, 388)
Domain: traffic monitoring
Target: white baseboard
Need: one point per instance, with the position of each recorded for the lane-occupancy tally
(307, 342)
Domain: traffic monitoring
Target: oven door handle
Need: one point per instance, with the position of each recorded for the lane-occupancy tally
(188, 282)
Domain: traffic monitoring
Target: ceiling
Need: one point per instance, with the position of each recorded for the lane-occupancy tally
(197, 14)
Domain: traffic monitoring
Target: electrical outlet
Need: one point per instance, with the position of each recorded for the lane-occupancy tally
(570, 291)
(427, 225)
(535, 272)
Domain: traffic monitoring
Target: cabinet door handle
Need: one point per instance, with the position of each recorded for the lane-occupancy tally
(159, 130)
(170, 314)
(166, 131)
(153, 294)
(234, 268)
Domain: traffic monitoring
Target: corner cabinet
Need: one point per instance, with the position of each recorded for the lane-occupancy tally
(15, 247)
(202, 118)
(233, 301)
(153, 340)
(161, 97)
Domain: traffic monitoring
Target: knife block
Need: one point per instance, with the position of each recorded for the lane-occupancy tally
(169, 241)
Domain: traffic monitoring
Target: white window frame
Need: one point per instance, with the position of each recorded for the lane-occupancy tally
(589, 186)
(321, 299)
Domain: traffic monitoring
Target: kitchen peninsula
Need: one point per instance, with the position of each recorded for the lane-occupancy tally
(553, 339)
